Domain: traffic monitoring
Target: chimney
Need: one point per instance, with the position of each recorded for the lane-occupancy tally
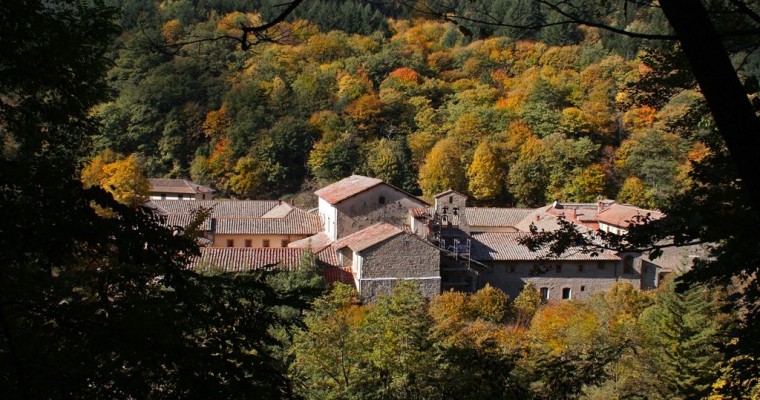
(599, 206)
(279, 202)
(572, 214)
(538, 217)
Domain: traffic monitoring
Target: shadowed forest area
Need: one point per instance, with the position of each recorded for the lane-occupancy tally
(95, 297)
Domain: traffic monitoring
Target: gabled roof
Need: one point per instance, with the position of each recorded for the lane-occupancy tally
(235, 259)
(623, 215)
(450, 191)
(505, 247)
(496, 217)
(317, 242)
(347, 187)
(368, 237)
(159, 185)
(220, 208)
(297, 223)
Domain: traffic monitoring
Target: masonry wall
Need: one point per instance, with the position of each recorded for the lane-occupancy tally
(372, 290)
(220, 240)
(403, 256)
(364, 209)
(595, 276)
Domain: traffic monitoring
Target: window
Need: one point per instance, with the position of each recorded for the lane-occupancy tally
(511, 268)
(558, 268)
(628, 265)
(451, 199)
(230, 242)
(284, 242)
(566, 293)
(163, 196)
(583, 288)
(545, 293)
(248, 243)
(181, 197)
(265, 243)
(381, 200)
(580, 267)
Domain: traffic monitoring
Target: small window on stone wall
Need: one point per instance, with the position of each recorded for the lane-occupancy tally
(248, 243)
(628, 265)
(566, 293)
(451, 199)
(583, 288)
(265, 243)
(580, 267)
(230, 242)
(381, 200)
(545, 293)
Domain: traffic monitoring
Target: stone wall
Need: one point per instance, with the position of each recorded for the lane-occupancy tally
(371, 290)
(402, 256)
(583, 278)
(365, 209)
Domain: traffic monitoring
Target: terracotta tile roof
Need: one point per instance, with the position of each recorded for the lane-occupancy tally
(368, 237)
(184, 220)
(279, 211)
(336, 274)
(296, 223)
(496, 217)
(232, 259)
(347, 187)
(317, 242)
(622, 214)
(158, 185)
(220, 208)
(450, 191)
(504, 247)
(419, 212)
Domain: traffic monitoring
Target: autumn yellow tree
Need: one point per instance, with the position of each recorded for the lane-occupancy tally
(635, 192)
(485, 173)
(443, 169)
(121, 176)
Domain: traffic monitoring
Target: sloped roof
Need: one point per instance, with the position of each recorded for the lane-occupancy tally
(296, 223)
(496, 217)
(450, 191)
(234, 259)
(347, 187)
(279, 211)
(337, 274)
(184, 220)
(220, 208)
(368, 237)
(317, 242)
(623, 215)
(504, 247)
(177, 186)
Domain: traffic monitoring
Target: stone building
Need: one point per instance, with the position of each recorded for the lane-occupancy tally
(357, 202)
(382, 254)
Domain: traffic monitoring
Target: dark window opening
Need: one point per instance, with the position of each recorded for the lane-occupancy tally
(583, 288)
(230, 242)
(580, 267)
(545, 293)
(381, 200)
(628, 265)
(163, 196)
(284, 242)
(265, 243)
(181, 197)
(248, 243)
(451, 199)
(566, 293)
(445, 210)
(456, 210)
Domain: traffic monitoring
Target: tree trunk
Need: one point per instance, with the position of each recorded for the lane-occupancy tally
(725, 95)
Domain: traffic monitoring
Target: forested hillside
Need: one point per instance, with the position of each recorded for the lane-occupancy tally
(508, 116)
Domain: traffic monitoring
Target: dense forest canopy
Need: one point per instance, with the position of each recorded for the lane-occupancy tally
(567, 115)
(95, 300)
